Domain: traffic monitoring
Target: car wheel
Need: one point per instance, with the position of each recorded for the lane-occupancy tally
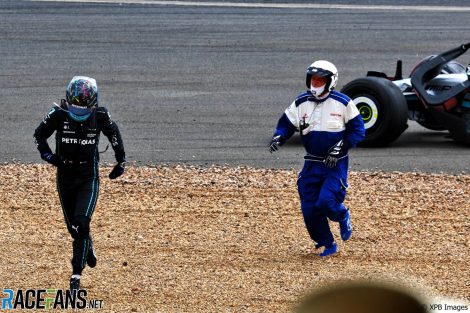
(383, 109)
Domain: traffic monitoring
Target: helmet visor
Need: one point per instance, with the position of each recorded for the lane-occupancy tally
(318, 81)
(79, 110)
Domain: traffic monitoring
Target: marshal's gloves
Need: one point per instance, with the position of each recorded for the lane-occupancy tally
(53, 159)
(335, 153)
(276, 142)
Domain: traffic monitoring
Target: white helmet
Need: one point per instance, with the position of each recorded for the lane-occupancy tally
(325, 69)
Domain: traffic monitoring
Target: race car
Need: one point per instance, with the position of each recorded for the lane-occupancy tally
(436, 95)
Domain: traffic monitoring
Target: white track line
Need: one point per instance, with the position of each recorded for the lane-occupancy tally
(278, 5)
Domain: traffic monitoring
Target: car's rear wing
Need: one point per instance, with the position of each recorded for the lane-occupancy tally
(430, 69)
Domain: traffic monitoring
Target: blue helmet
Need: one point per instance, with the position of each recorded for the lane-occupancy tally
(81, 97)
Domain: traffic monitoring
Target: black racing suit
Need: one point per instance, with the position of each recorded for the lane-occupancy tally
(77, 173)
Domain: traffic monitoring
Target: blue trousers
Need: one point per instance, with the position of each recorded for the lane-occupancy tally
(322, 191)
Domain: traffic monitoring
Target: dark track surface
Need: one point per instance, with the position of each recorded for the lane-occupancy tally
(205, 85)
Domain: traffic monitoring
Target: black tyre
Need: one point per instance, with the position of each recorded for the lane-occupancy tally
(383, 109)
